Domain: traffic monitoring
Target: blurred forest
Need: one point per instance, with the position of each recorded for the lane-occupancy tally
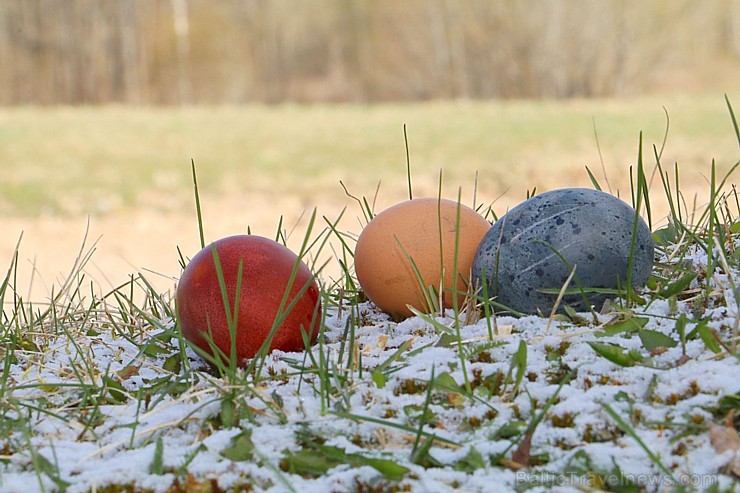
(237, 51)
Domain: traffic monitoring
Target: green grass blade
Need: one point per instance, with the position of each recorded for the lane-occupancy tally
(408, 161)
(734, 120)
(197, 206)
(632, 433)
(422, 420)
(594, 182)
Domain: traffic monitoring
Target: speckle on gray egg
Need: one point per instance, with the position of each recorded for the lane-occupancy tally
(530, 248)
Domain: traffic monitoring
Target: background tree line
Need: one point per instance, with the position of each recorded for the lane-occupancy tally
(236, 51)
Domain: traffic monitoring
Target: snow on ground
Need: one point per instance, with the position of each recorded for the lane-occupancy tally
(148, 438)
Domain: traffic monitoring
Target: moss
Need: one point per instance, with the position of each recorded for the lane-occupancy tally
(562, 444)
(693, 389)
(565, 420)
(563, 347)
(672, 399)
(281, 376)
(539, 459)
(483, 357)
(680, 449)
(477, 379)
(5, 449)
(190, 484)
(551, 353)
(368, 442)
(599, 435)
(492, 383)
(556, 375)
(555, 353)
(362, 486)
(588, 434)
(587, 383)
(411, 387)
(607, 380)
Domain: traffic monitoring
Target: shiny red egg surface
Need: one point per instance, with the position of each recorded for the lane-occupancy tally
(266, 268)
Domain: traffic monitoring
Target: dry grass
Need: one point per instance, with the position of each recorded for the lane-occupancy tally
(129, 168)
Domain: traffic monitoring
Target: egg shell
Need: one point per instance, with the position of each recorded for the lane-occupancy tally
(386, 273)
(590, 229)
(266, 271)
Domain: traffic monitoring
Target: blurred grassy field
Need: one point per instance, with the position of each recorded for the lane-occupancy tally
(128, 168)
(71, 161)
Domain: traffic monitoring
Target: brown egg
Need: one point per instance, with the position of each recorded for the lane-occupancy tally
(385, 270)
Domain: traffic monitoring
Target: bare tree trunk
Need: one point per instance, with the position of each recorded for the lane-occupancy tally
(458, 50)
(130, 57)
(442, 65)
(8, 17)
(556, 50)
(181, 21)
(234, 51)
(733, 26)
(362, 48)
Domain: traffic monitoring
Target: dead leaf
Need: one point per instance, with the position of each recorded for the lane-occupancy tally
(658, 351)
(355, 357)
(382, 436)
(127, 372)
(192, 485)
(457, 400)
(504, 330)
(382, 341)
(522, 452)
(724, 438)
(510, 464)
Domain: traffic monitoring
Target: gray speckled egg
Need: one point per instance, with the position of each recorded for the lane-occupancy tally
(530, 247)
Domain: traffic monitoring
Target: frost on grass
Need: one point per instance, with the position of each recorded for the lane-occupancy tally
(110, 400)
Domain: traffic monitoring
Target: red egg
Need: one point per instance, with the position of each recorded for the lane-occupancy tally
(266, 272)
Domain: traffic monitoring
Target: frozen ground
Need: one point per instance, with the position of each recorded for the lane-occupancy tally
(390, 409)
